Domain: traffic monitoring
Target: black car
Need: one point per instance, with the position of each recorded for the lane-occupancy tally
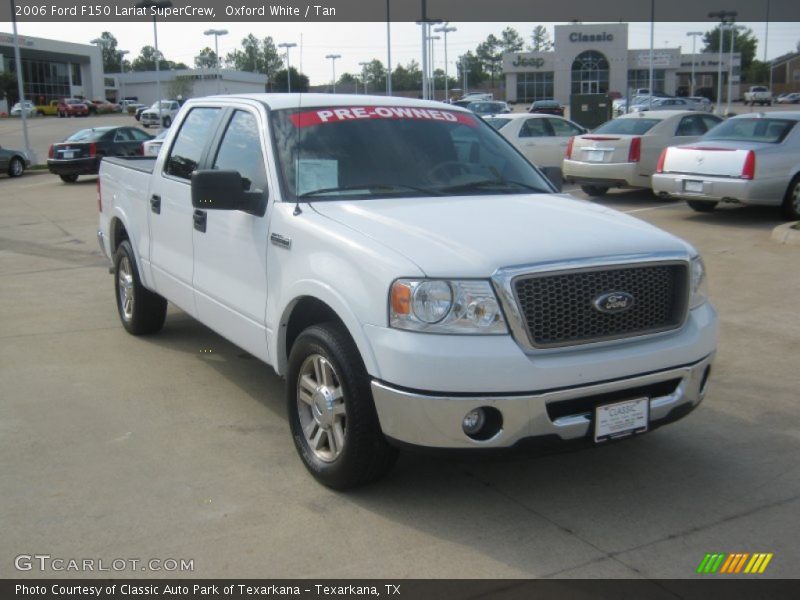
(547, 107)
(81, 153)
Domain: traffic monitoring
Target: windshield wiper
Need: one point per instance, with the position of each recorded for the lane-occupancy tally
(371, 187)
(483, 184)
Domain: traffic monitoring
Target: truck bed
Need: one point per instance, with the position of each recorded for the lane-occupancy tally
(144, 164)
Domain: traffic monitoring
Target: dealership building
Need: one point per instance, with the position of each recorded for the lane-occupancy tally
(595, 59)
(52, 69)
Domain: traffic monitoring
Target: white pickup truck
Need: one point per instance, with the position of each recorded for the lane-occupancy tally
(412, 276)
(758, 94)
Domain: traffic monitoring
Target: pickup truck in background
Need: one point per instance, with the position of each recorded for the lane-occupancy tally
(410, 274)
(758, 94)
(167, 112)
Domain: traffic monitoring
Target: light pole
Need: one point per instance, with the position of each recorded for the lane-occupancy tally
(333, 58)
(148, 5)
(21, 88)
(216, 33)
(388, 49)
(288, 45)
(122, 54)
(693, 35)
(723, 16)
(101, 43)
(652, 37)
(431, 38)
(766, 41)
(733, 27)
(363, 66)
(445, 29)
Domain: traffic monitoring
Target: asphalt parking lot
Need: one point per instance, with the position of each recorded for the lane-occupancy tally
(177, 447)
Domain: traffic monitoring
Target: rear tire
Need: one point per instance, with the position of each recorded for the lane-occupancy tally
(791, 201)
(69, 178)
(16, 167)
(331, 411)
(167, 122)
(594, 190)
(140, 310)
(701, 206)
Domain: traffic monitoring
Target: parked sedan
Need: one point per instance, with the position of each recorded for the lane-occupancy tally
(623, 153)
(547, 107)
(153, 147)
(793, 98)
(493, 107)
(81, 153)
(748, 159)
(666, 104)
(541, 138)
(30, 109)
(13, 162)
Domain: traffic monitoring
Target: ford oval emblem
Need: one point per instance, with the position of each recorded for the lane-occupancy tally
(613, 302)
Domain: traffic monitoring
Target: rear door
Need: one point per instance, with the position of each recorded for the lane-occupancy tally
(535, 140)
(170, 207)
(230, 246)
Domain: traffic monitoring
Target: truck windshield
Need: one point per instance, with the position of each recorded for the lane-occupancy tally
(752, 130)
(365, 152)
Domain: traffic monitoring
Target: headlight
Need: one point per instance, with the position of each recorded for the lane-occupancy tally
(699, 285)
(442, 306)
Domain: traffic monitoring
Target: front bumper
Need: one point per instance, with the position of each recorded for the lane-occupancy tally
(74, 166)
(435, 421)
(716, 189)
(604, 174)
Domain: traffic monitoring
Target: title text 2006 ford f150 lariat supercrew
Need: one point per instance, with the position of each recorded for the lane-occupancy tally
(412, 276)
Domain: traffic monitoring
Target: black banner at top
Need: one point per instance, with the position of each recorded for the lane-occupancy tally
(399, 10)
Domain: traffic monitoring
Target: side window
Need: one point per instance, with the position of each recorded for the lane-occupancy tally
(564, 128)
(122, 135)
(710, 122)
(691, 125)
(190, 141)
(240, 150)
(139, 135)
(534, 128)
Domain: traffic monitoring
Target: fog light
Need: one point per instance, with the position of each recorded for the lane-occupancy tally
(473, 421)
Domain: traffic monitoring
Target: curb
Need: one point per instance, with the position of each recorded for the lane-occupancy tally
(787, 234)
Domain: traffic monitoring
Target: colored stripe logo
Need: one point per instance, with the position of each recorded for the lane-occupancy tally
(734, 563)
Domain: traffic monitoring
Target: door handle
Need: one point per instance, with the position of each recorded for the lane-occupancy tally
(155, 204)
(200, 218)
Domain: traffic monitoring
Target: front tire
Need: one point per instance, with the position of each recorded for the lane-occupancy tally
(594, 190)
(701, 206)
(167, 122)
(16, 167)
(331, 411)
(140, 310)
(791, 201)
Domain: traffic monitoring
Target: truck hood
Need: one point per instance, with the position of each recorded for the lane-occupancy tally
(472, 236)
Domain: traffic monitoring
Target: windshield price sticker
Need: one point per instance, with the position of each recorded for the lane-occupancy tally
(356, 113)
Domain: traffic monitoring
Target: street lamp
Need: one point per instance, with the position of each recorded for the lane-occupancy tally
(733, 28)
(216, 33)
(363, 66)
(445, 30)
(148, 5)
(723, 16)
(20, 88)
(122, 54)
(288, 45)
(333, 58)
(431, 38)
(693, 35)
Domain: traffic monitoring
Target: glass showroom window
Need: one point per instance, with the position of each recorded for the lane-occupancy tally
(640, 78)
(534, 86)
(590, 73)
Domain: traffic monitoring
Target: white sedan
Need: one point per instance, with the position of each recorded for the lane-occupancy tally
(30, 109)
(541, 138)
(623, 153)
(750, 159)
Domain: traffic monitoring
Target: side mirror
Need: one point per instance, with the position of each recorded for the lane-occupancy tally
(553, 174)
(226, 190)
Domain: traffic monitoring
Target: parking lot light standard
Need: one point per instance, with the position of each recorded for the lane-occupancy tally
(733, 29)
(693, 35)
(288, 45)
(445, 29)
(723, 16)
(21, 88)
(363, 66)
(216, 33)
(333, 58)
(147, 5)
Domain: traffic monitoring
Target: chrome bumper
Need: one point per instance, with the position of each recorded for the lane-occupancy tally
(436, 420)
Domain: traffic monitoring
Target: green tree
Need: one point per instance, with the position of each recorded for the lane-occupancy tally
(110, 52)
(257, 56)
(181, 87)
(299, 81)
(744, 42)
(146, 61)
(540, 39)
(511, 40)
(206, 59)
(408, 78)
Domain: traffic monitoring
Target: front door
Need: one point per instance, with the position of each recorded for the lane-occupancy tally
(230, 246)
(590, 87)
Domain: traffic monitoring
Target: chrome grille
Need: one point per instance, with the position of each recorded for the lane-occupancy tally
(558, 308)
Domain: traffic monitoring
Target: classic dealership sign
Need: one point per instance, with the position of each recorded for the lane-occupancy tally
(591, 37)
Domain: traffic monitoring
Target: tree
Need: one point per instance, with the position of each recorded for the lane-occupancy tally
(758, 72)
(299, 81)
(408, 78)
(8, 87)
(511, 40)
(489, 53)
(146, 61)
(206, 59)
(744, 42)
(111, 55)
(181, 87)
(540, 39)
(257, 56)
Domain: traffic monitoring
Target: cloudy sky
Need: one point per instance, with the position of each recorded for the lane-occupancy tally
(358, 42)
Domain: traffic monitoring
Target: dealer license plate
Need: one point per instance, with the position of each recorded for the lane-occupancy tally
(692, 186)
(621, 419)
(68, 154)
(595, 155)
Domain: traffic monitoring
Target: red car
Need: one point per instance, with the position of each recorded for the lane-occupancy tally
(71, 107)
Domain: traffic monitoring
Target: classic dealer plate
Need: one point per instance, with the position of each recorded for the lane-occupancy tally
(692, 186)
(595, 155)
(621, 419)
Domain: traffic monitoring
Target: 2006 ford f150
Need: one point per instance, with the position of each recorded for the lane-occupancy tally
(412, 276)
